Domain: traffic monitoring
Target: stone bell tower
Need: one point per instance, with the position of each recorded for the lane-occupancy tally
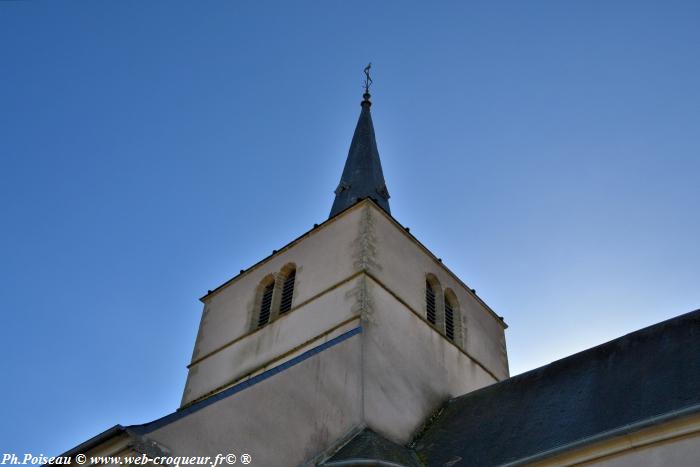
(353, 345)
(353, 326)
(375, 332)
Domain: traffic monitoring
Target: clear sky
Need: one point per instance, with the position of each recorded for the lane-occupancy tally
(549, 152)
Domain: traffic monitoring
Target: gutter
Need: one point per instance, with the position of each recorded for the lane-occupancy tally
(616, 432)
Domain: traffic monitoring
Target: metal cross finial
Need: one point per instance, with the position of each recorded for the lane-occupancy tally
(368, 80)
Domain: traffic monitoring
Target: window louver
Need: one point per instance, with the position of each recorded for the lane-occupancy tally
(449, 321)
(265, 305)
(287, 293)
(430, 302)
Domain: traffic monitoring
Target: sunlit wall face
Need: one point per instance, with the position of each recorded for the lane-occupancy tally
(547, 152)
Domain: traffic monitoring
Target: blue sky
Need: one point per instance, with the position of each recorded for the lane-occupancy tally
(547, 151)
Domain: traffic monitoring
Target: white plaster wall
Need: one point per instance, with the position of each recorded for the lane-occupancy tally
(277, 338)
(283, 420)
(403, 266)
(410, 368)
(391, 377)
(362, 238)
(324, 258)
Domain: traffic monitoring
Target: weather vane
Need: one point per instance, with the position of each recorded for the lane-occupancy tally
(368, 80)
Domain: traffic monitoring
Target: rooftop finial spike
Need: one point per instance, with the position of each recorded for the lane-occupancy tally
(368, 83)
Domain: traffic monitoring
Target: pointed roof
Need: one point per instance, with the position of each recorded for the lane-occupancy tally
(362, 176)
(369, 448)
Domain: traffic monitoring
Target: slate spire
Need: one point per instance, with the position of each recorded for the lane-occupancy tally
(362, 176)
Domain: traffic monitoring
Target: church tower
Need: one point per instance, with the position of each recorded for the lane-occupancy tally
(353, 345)
(354, 324)
(354, 329)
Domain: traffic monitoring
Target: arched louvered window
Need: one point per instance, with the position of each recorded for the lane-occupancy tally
(266, 305)
(449, 320)
(430, 302)
(287, 292)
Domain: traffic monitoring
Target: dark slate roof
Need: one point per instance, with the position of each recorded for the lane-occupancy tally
(362, 176)
(368, 445)
(649, 375)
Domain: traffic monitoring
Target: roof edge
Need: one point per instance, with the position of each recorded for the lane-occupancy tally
(242, 385)
(287, 246)
(317, 227)
(574, 355)
(96, 440)
(362, 462)
(623, 430)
